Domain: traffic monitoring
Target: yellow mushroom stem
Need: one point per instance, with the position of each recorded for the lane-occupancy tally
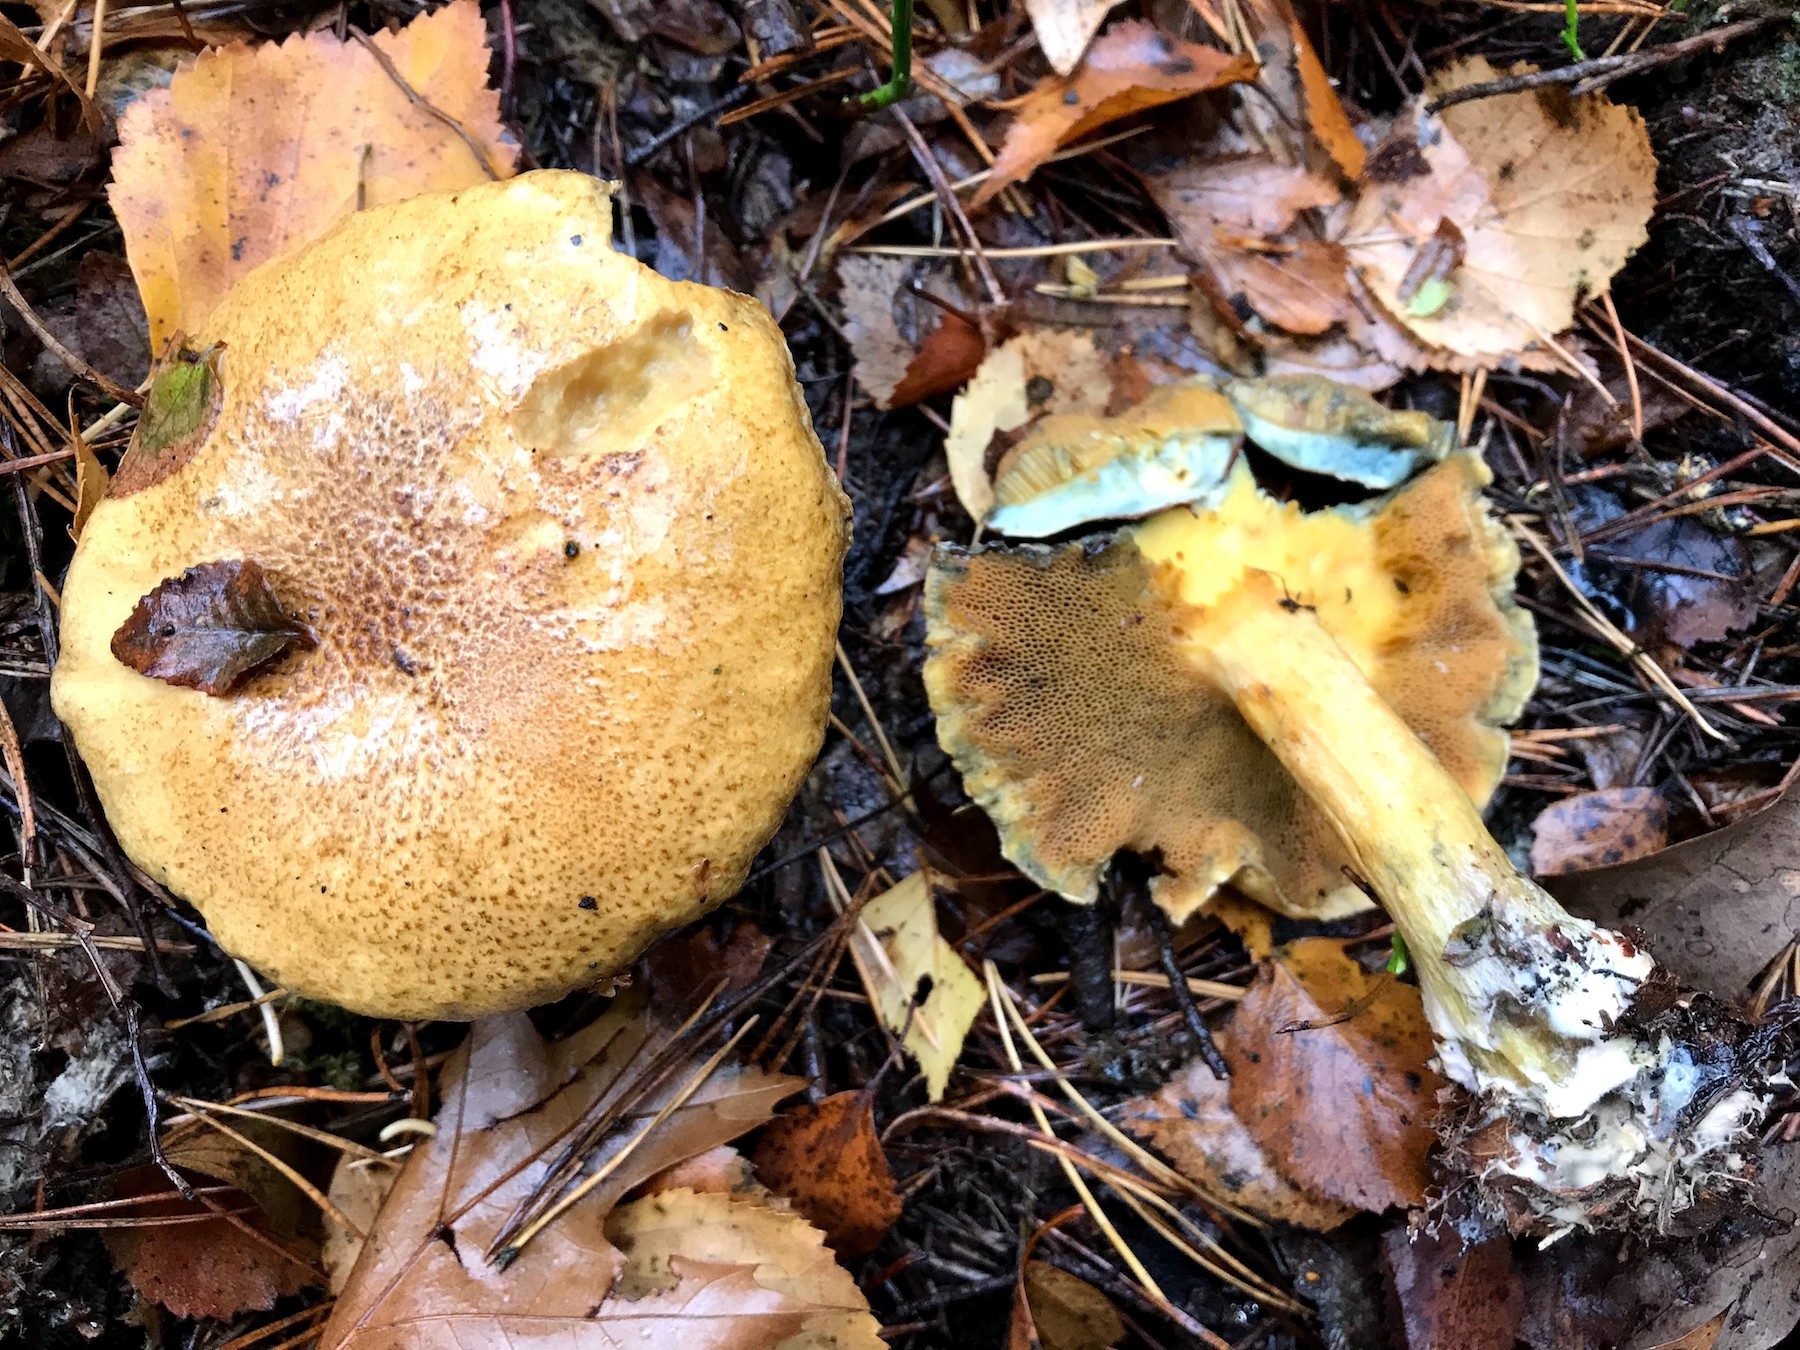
(1411, 831)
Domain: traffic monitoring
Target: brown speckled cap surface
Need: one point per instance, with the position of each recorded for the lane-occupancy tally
(573, 557)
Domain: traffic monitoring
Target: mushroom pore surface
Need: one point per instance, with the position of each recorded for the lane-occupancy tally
(572, 557)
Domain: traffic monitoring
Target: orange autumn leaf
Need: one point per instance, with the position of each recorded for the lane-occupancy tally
(1296, 82)
(252, 151)
(828, 1160)
(1132, 66)
(1342, 1108)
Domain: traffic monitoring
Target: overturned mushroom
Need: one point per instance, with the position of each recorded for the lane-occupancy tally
(1064, 694)
(556, 556)
(1281, 702)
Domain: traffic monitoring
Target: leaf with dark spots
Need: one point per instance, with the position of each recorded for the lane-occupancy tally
(1132, 66)
(1342, 1109)
(828, 1160)
(1598, 829)
(211, 628)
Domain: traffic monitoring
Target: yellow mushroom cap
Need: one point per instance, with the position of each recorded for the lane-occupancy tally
(571, 556)
(1064, 695)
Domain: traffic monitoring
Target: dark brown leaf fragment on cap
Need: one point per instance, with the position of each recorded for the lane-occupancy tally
(211, 628)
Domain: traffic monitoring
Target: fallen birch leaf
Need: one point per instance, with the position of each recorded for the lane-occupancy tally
(1551, 195)
(1191, 1122)
(1059, 1311)
(1065, 27)
(1132, 66)
(252, 151)
(1038, 373)
(1344, 1110)
(828, 1160)
(895, 374)
(915, 979)
(1447, 1294)
(215, 1267)
(1597, 829)
(787, 1256)
(1717, 909)
(211, 628)
(511, 1100)
(1250, 194)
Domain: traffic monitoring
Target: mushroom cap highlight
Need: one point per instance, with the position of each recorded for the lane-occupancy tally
(571, 556)
(1064, 697)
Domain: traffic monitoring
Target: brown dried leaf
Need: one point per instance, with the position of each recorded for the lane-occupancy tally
(1597, 829)
(1297, 83)
(951, 353)
(211, 628)
(1703, 1337)
(91, 482)
(1343, 1110)
(1249, 194)
(252, 151)
(1444, 1294)
(1060, 1311)
(1132, 66)
(886, 364)
(718, 1171)
(1716, 909)
(1191, 1122)
(689, 966)
(219, 1267)
(828, 1160)
(210, 1268)
(511, 1100)
(358, 1189)
(102, 322)
(1551, 195)
(1301, 287)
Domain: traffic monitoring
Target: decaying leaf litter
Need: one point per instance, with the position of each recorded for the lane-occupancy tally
(1264, 222)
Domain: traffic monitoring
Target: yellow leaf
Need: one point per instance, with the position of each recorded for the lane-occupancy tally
(252, 151)
(896, 947)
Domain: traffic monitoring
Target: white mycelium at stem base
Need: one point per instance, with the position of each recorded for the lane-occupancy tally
(1524, 999)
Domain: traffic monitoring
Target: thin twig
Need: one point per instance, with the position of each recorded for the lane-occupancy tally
(1590, 77)
(111, 387)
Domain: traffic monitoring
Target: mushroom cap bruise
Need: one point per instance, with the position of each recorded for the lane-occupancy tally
(1063, 696)
(572, 557)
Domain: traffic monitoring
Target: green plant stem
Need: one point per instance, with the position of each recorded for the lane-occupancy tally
(1570, 38)
(900, 78)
